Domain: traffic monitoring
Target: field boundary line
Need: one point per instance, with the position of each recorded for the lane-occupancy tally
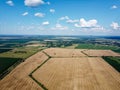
(31, 76)
(85, 53)
(12, 67)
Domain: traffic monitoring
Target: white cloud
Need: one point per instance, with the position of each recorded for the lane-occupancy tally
(76, 25)
(59, 27)
(86, 24)
(25, 13)
(52, 10)
(10, 3)
(115, 25)
(114, 7)
(90, 24)
(72, 21)
(98, 28)
(33, 3)
(46, 23)
(64, 18)
(39, 14)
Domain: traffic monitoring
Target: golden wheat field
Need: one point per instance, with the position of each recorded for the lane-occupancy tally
(85, 73)
(64, 69)
(58, 52)
(100, 53)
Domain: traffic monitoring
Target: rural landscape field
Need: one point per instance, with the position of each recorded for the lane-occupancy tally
(59, 44)
(45, 65)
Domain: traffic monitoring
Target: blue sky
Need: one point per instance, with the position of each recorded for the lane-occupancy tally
(60, 17)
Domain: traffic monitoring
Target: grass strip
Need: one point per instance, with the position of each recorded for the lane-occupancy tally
(85, 53)
(46, 54)
(40, 84)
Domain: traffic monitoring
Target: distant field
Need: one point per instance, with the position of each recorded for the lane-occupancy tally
(7, 45)
(13, 56)
(72, 46)
(22, 52)
(100, 53)
(92, 46)
(5, 63)
(114, 61)
(13, 49)
(4, 50)
(63, 52)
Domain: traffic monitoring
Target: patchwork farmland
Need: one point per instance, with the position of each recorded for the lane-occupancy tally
(64, 69)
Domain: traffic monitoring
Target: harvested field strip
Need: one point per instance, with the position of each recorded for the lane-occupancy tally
(40, 84)
(38, 67)
(100, 53)
(63, 53)
(85, 73)
(107, 76)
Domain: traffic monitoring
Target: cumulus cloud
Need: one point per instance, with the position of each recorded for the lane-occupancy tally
(25, 13)
(86, 24)
(46, 23)
(64, 18)
(90, 24)
(72, 21)
(39, 15)
(52, 10)
(10, 3)
(33, 3)
(114, 7)
(59, 27)
(115, 26)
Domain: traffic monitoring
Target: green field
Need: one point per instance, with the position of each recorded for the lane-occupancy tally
(96, 46)
(5, 63)
(15, 56)
(4, 50)
(113, 61)
(22, 52)
(13, 51)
